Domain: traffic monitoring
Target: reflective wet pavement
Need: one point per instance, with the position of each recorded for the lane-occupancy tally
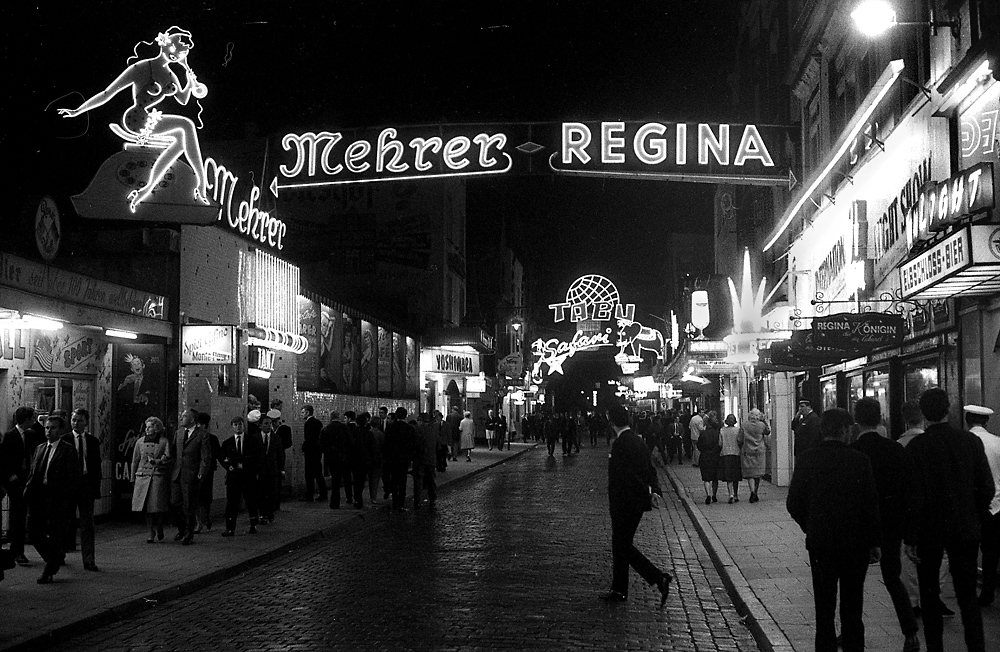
(511, 559)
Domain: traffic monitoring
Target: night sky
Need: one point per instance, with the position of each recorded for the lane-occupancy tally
(336, 65)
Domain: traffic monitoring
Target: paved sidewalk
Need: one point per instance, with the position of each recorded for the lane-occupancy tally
(134, 574)
(761, 553)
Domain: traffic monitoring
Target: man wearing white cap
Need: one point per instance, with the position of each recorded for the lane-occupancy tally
(976, 417)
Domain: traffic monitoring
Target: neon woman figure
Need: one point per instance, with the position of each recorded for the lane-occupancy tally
(152, 81)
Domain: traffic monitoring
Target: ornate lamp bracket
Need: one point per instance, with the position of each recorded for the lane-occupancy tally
(897, 305)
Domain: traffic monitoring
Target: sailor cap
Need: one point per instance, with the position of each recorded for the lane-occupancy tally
(978, 409)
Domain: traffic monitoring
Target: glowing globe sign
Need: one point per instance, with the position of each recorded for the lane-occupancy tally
(592, 296)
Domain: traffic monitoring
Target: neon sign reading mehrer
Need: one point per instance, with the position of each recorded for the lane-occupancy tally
(328, 158)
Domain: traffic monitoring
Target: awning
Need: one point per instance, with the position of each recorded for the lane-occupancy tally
(964, 264)
(471, 336)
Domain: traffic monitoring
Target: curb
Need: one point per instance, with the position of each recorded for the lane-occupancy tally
(765, 630)
(154, 598)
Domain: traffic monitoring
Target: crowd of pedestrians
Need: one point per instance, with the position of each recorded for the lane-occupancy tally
(862, 498)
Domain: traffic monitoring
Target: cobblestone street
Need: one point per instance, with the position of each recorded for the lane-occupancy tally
(513, 559)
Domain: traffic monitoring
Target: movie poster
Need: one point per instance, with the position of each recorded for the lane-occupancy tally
(350, 354)
(329, 360)
(384, 361)
(398, 365)
(369, 358)
(308, 367)
(412, 369)
(137, 378)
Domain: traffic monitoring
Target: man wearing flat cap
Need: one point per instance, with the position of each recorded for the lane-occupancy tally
(976, 417)
(805, 426)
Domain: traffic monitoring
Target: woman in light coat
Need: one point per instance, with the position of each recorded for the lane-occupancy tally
(151, 471)
(467, 436)
(753, 450)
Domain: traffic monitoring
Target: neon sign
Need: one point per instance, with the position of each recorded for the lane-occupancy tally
(554, 352)
(143, 125)
(247, 219)
(592, 297)
(326, 158)
(668, 150)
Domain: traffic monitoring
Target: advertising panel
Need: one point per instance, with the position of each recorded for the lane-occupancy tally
(369, 358)
(398, 365)
(412, 369)
(308, 364)
(208, 344)
(384, 361)
(137, 376)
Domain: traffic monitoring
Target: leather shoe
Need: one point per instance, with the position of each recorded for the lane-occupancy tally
(911, 644)
(664, 586)
(45, 579)
(252, 530)
(614, 596)
(21, 560)
(187, 541)
(178, 536)
(945, 611)
(228, 533)
(91, 567)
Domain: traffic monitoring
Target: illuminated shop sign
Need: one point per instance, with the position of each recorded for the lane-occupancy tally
(445, 361)
(329, 158)
(208, 344)
(592, 297)
(669, 149)
(858, 332)
(945, 203)
(245, 217)
(896, 218)
(554, 352)
(966, 263)
(262, 359)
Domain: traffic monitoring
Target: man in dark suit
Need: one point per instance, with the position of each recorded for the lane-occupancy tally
(397, 453)
(50, 494)
(242, 456)
(952, 489)
(334, 438)
(88, 451)
(633, 488)
(833, 499)
(313, 453)
(272, 470)
(806, 428)
(16, 450)
(892, 477)
(192, 457)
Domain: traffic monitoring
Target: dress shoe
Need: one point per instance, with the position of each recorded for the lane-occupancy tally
(45, 579)
(736, 499)
(228, 533)
(159, 534)
(708, 500)
(911, 644)
(197, 530)
(715, 499)
(945, 611)
(21, 560)
(252, 530)
(187, 541)
(151, 540)
(664, 586)
(91, 567)
(178, 536)
(614, 596)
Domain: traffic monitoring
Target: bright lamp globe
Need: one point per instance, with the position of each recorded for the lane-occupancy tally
(874, 17)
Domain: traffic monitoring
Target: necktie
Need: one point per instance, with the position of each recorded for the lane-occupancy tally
(267, 442)
(82, 453)
(45, 463)
(239, 444)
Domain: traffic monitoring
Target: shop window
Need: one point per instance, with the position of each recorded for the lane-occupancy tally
(229, 381)
(918, 376)
(829, 389)
(48, 393)
(856, 391)
(877, 387)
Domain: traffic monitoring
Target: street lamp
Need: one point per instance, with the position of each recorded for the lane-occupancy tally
(875, 17)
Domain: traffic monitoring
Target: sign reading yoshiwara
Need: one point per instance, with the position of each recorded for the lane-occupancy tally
(443, 361)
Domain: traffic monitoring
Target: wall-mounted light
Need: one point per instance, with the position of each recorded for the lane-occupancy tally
(875, 17)
(259, 373)
(125, 335)
(14, 320)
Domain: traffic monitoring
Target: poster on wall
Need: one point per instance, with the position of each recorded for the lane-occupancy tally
(369, 353)
(412, 370)
(349, 337)
(398, 365)
(308, 365)
(63, 351)
(329, 346)
(384, 361)
(137, 380)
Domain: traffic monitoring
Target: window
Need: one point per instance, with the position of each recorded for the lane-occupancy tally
(48, 393)
(918, 376)
(877, 387)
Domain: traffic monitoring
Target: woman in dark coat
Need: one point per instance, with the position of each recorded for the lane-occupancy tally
(710, 446)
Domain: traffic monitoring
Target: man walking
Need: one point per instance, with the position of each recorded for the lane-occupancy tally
(833, 499)
(492, 425)
(425, 462)
(88, 451)
(192, 457)
(313, 453)
(633, 489)
(50, 495)
(952, 487)
(889, 467)
(976, 417)
(452, 424)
